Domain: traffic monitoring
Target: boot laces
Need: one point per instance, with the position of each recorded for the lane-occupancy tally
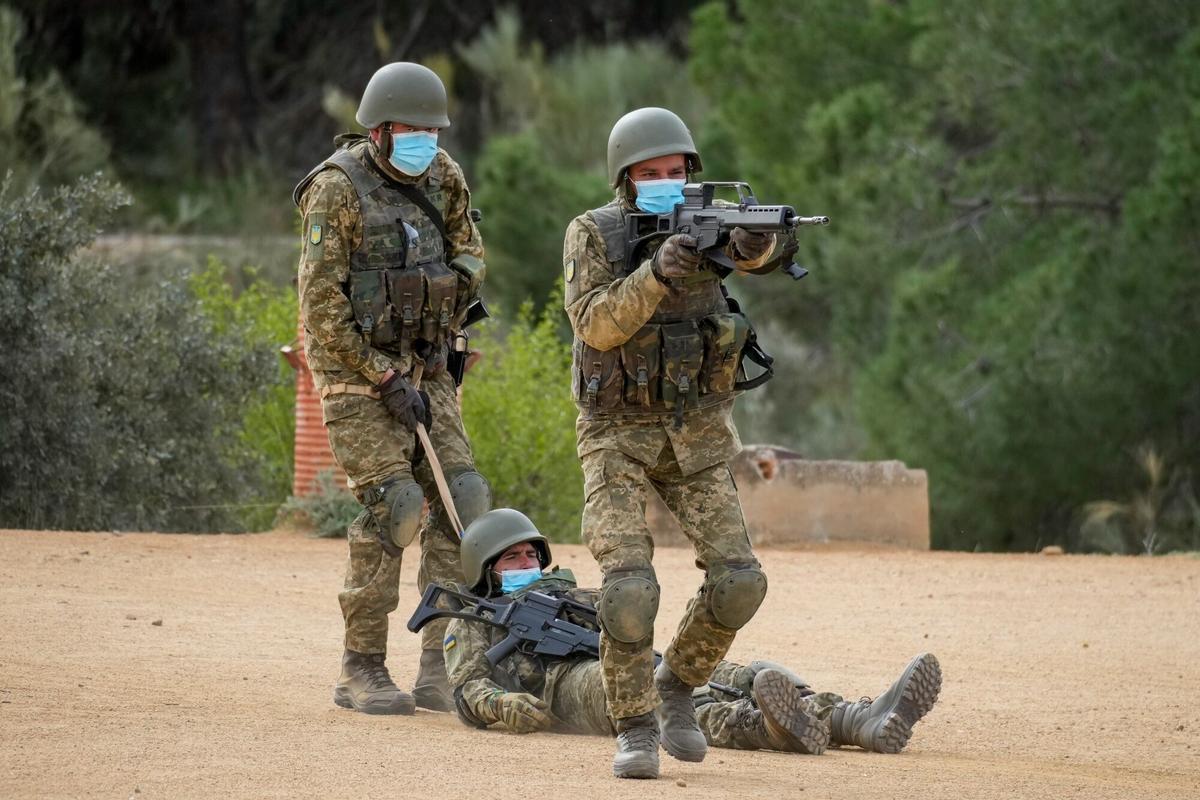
(377, 675)
(640, 738)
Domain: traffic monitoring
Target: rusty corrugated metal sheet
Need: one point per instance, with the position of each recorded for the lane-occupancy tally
(312, 452)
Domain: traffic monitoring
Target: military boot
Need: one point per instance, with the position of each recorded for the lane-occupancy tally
(366, 686)
(637, 747)
(681, 736)
(885, 724)
(432, 688)
(782, 720)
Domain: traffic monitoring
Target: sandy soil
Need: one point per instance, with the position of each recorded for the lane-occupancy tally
(166, 666)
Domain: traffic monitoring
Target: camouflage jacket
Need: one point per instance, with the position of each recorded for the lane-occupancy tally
(336, 348)
(473, 680)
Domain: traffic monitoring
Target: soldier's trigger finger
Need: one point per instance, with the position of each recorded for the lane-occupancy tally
(685, 240)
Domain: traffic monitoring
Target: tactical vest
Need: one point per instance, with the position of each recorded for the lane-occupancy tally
(402, 292)
(688, 355)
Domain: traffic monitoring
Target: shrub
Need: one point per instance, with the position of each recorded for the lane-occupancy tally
(521, 421)
(329, 510)
(120, 408)
(263, 316)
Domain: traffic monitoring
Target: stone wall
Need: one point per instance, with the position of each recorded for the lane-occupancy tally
(790, 501)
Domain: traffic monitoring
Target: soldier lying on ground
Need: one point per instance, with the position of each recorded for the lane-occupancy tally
(504, 554)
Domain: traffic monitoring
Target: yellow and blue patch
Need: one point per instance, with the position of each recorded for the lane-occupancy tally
(450, 643)
(314, 234)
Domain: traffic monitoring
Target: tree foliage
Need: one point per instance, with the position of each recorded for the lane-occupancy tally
(1009, 290)
(44, 134)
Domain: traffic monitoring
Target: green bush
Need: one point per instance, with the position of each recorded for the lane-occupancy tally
(264, 317)
(328, 511)
(121, 408)
(521, 421)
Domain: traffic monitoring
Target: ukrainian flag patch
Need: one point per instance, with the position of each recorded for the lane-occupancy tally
(450, 643)
(314, 234)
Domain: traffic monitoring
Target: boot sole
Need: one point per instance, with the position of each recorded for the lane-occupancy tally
(922, 684)
(644, 769)
(786, 714)
(431, 699)
(403, 705)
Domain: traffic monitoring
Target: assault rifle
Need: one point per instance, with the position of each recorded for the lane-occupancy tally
(534, 622)
(710, 221)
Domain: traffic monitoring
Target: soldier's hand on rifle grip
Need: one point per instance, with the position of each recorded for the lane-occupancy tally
(522, 713)
(677, 258)
(750, 246)
(403, 402)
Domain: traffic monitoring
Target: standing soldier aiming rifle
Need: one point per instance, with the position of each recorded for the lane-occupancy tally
(657, 361)
(390, 273)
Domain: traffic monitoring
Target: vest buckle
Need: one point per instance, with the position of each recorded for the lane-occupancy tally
(593, 387)
(643, 381)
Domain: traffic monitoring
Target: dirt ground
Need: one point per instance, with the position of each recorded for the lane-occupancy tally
(172, 666)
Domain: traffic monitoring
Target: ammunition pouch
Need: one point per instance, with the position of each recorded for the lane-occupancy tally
(663, 368)
(471, 271)
(641, 357)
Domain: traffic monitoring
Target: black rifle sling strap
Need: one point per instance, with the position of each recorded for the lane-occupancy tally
(417, 196)
(751, 351)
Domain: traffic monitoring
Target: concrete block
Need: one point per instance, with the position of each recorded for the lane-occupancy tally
(788, 500)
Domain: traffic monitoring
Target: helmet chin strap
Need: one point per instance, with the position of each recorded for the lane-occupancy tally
(381, 137)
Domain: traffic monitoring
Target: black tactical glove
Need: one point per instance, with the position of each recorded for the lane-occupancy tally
(677, 258)
(404, 402)
(750, 246)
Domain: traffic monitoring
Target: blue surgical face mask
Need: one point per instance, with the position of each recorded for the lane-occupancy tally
(513, 579)
(413, 151)
(659, 196)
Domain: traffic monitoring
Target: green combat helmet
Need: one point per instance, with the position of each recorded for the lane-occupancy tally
(648, 133)
(489, 536)
(404, 92)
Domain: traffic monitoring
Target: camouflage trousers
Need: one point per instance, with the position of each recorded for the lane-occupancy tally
(614, 529)
(372, 447)
(577, 701)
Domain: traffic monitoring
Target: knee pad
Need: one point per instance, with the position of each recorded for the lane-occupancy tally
(397, 508)
(628, 604)
(472, 496)
(734, 591)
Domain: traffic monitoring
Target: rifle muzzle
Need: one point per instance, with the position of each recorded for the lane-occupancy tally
(796, 220)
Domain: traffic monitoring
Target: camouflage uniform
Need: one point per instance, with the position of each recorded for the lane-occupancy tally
(574, 688)
(370, 445)
(642, 422)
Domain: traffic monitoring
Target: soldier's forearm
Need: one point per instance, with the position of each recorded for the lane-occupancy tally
(607, 317)
(479, 695)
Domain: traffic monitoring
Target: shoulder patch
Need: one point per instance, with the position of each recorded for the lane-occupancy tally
(450, 643)
(569, 270)
(315, 225)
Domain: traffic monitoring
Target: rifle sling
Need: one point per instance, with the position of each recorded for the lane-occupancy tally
(417, 196)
